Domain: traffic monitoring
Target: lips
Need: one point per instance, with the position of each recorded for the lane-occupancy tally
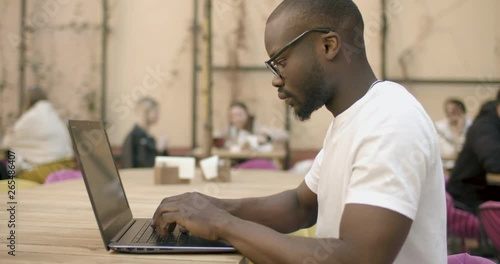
(288, 99)
(282, 95)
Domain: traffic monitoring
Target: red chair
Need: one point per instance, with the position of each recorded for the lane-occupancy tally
(489, 213)
(258, 164)
(63, 175)
(461, 224)
(465, 258)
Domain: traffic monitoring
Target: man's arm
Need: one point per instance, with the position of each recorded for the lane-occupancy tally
(284, 212)
(368, 234)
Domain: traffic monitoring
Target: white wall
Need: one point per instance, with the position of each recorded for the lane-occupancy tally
(447, 39)
(150, 54)
(9, 67)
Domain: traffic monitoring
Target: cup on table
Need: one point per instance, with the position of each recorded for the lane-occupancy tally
(219, 142)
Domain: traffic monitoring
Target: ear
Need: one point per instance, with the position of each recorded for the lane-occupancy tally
(331, 45)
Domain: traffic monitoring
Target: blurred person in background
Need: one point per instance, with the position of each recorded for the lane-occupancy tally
(452, 130)
(140, 148)
(243, 130)
(480, 155)
(39, 138)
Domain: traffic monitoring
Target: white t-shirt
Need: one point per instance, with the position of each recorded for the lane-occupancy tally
(39, 137)
(383, 151)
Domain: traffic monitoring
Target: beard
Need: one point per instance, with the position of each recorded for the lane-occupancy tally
(315, 96)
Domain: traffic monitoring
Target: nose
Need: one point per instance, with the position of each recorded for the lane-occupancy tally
(277, 81)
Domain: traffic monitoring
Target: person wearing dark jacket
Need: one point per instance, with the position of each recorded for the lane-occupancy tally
(480, 155)
(140, 148)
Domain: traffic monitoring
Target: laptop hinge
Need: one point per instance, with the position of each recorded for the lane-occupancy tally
(122, 231)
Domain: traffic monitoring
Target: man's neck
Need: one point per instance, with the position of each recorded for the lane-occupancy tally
(353, 86)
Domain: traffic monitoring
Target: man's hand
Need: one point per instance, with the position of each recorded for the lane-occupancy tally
(193, 211)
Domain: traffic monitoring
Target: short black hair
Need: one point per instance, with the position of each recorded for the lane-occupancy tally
(341, 15)
(458, 103)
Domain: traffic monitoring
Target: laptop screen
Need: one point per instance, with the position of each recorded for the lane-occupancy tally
(103, 183)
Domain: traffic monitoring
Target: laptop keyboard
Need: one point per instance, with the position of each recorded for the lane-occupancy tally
(148, 235)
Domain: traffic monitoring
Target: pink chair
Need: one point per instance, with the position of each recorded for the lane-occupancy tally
(490, 219)
(465, 258)
(461, 224)
(259, 164)
(63, 175)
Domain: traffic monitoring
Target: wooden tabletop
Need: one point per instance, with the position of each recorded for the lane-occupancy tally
(55, 223)
(493, 179)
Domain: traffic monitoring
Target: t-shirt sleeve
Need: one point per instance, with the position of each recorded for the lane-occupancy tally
(390, 166)
(312, 177)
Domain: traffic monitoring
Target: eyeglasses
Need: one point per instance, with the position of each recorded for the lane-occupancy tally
(271, 65)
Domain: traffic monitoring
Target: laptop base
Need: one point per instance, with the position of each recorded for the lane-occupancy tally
(141, 238)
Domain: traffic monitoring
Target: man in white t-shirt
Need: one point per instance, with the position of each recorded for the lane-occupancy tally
(375, 190)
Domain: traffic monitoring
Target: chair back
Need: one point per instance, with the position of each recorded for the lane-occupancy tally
(260, 164)
(465, 258)
(460, 223)
(63, 175)
(490, 220)
(41, 172)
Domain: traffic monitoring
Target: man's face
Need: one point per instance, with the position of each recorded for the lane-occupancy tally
(453, 112)
(302, 86)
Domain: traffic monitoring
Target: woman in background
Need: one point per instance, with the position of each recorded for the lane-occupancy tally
(140, 147)
(452, 130)
(40, 139)
(243, 128)
(244, 132)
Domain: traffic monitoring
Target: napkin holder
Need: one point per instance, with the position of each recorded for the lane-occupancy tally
(168, 175)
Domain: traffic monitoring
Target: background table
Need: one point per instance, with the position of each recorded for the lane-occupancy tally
(55, 222)
(278, 154)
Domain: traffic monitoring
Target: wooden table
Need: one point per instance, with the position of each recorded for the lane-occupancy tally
(278, 154)
(493, 179)
(55, 222)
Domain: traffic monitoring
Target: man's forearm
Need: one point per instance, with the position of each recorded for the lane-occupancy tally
(264, 245)
(281, 212)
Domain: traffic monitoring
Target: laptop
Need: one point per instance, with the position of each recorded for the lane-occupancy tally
(119, 230)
